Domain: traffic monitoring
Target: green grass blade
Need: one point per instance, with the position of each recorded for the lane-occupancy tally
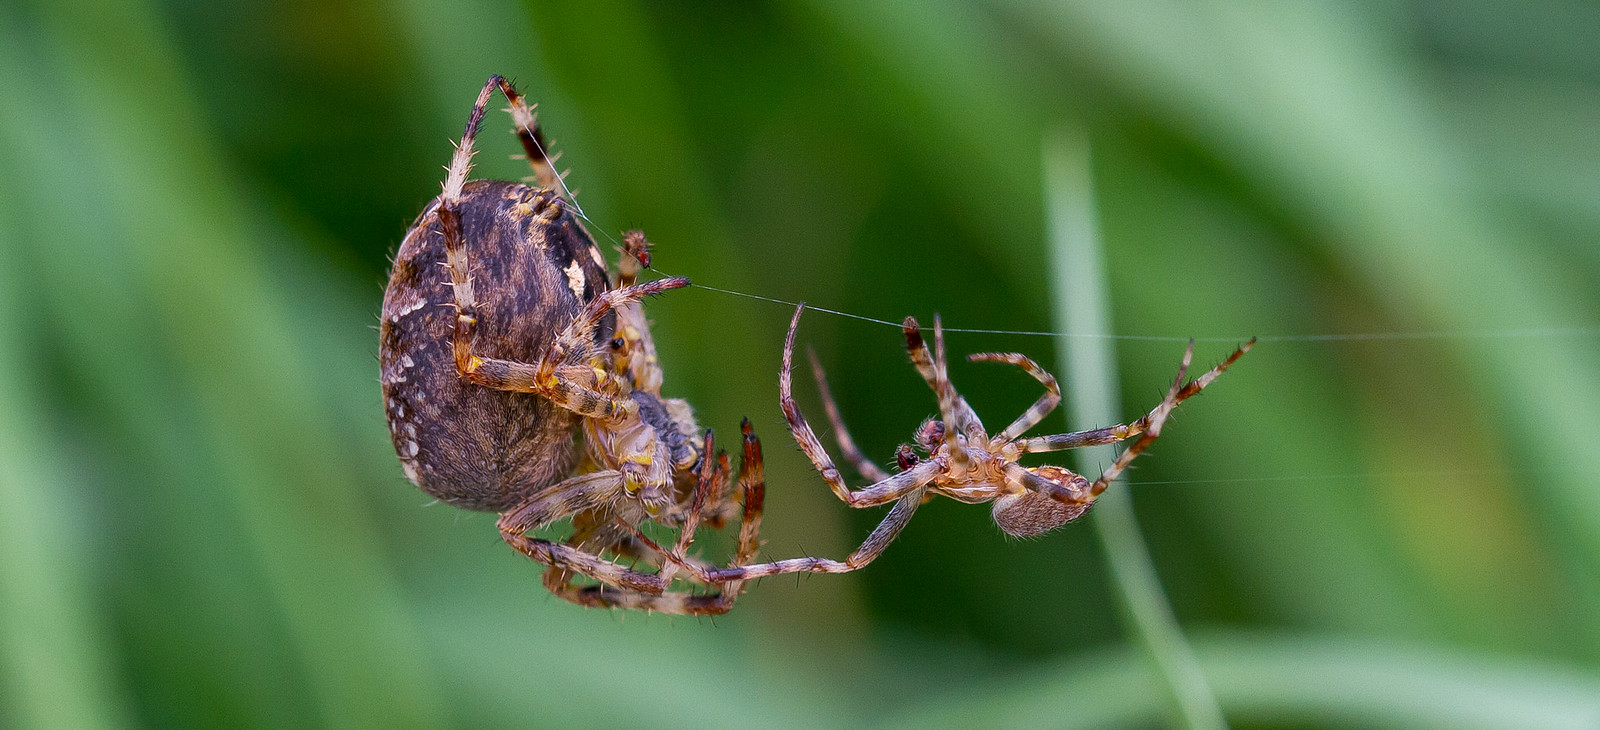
(57, 666)
(165, 208)
(1082, 305)
(1276, 681)
(1322, 110)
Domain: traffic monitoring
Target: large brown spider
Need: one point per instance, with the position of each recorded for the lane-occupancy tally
(488, 373)
(960, 460)
(492, 358)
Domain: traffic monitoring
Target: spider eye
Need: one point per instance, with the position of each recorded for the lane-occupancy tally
(617, 343)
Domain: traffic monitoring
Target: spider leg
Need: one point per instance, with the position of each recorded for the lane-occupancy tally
(1120, 432)
(670, 602)
(595, 530)
(884, 491)
(448, 214)
(885, 533)
(959, 419)
(705, 484)
(568, 384)
(565, 387)
(621, 587)
(532, 138)
(958, 415)
(1156, 419)
(965, 425)
(841, 434)
(752, 483)
(592, 531)
(633, 548)
(578, 494)
(1040, 408)
(639, 357)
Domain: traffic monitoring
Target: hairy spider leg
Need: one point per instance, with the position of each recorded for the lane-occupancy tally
(563, 374)
(953, 409)
(960, 421)
(448, 213)
(906, 489)
(583, 496)
(637, 356)
(1122, 432)
(1147, 428)
(705, 485)
(581, 493)
(896, 520)
(623, 587)
(1040, 408)
(752, 484)
(841, 434)
(1158, 416)
(566, 386)
(528, 132)
(886, 490)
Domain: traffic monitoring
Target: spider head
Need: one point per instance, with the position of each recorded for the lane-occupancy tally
(1029, 512)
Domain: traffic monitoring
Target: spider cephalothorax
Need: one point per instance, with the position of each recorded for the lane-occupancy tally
(961, 460)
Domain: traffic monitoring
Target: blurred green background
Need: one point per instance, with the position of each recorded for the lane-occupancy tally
(202, 522)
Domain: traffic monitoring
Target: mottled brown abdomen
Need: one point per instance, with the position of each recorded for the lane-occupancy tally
(533, 268)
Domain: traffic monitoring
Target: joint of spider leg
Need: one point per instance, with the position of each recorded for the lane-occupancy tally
(913, 333)
(552, 212)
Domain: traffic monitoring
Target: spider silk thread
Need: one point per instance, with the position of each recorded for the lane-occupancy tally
(1570, 331)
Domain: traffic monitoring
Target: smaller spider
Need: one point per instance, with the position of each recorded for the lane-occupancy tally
(960, 460)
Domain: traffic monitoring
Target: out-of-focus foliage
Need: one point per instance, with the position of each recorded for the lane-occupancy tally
(202, 522)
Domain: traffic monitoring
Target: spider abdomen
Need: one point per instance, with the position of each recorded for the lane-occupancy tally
(533, 269)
